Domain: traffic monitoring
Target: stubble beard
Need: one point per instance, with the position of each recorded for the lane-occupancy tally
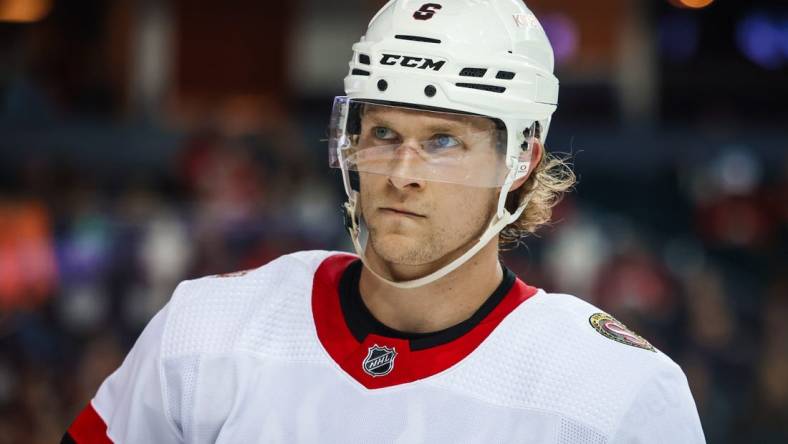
(431, 244)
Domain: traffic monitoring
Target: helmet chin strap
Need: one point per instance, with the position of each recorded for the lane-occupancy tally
(501, 219)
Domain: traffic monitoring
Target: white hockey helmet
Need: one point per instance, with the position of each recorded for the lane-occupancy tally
(486, 58)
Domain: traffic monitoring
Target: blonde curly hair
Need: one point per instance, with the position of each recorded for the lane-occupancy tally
(547, 185)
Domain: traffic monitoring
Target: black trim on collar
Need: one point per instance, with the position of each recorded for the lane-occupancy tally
(361, 322)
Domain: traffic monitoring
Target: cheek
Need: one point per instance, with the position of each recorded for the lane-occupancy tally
(460, 206)
(369, 184)
(371, 187)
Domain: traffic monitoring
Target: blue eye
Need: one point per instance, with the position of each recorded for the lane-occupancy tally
(383, 133)
(443, 141)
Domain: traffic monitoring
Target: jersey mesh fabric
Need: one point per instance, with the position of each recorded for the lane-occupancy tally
(180, 375)
(569, 366)
(574, 433)
(263, 311)
(288, 331)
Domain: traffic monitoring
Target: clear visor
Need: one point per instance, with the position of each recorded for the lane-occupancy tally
(417, 144)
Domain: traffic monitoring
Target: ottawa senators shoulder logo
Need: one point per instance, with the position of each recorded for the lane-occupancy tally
(379, 361)
(611, 328)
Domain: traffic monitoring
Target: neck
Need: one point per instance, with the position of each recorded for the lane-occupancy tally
(437, 305)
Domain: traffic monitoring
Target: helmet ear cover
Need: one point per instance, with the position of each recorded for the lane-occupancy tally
(536, 129)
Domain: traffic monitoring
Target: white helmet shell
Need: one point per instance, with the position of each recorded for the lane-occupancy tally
(487, 57)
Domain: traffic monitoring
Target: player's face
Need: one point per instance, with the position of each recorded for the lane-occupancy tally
(413, 221)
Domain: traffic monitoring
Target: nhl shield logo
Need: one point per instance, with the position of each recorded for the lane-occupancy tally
(379, 361)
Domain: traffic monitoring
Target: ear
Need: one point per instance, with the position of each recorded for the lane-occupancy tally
(535, 153)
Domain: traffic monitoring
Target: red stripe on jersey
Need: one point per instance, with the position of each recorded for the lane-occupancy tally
(89, 428)
(409, 366)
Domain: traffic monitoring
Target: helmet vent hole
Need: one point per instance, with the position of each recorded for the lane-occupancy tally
(505, 75)
(416, 38)
(359, 72)
(490, 88)
(473, 72)
(430, 91)
(363, 59)
(382, 85)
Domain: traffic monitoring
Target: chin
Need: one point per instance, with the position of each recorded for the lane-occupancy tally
(402, 250)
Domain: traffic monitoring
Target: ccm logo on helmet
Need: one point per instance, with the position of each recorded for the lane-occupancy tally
(426, 11)
(411, 62)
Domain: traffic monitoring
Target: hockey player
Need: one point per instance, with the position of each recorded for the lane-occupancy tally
(422, 336)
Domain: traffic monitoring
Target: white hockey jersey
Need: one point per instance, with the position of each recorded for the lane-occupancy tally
(287, 353)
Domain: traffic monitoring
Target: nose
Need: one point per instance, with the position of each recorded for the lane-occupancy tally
(404, 171)
(405, 182)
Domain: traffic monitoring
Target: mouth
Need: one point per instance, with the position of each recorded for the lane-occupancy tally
(400, 211)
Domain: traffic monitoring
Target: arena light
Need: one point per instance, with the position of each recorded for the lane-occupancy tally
(691, 4)
(763, 40)
(24, 11)
(562, 32)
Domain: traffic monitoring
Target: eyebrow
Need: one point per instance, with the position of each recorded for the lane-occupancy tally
(448, 126)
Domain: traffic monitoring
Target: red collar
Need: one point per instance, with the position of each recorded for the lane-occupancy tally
(380, 361)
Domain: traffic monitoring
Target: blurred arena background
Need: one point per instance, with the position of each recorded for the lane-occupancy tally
(143, 142)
